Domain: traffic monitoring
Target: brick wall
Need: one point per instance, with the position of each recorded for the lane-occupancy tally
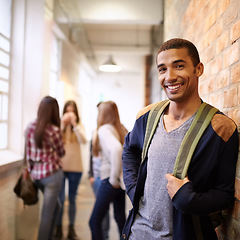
(148, 65)
(214, 27)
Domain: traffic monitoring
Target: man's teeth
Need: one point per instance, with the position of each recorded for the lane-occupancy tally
(173, 87)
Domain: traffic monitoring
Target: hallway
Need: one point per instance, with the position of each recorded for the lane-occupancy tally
(27, 221)
(45, 50)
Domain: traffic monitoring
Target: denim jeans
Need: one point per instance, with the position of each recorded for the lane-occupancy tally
(50, 186)
(73, 183)
(107, 194)
(105, 221)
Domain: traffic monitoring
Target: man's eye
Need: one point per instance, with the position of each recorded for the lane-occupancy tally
(180, 66)
(161, 70)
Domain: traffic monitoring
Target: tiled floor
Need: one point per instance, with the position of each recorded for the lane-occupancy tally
(26, 218)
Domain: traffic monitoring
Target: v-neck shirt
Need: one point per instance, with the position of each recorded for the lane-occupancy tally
(154, 218)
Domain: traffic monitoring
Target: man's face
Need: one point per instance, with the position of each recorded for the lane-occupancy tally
(177, 75)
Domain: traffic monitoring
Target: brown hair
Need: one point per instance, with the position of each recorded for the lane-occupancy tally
(108, 114)
(178, 43)
(48, 113)
(75, 109)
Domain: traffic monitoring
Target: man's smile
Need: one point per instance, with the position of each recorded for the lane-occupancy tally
(173, 87)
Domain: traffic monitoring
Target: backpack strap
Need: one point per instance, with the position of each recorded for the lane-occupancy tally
(200, 122)
(152, 122)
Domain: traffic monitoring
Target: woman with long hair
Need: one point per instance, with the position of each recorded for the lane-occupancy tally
(44, 148)
(73, 135)
(110, 138)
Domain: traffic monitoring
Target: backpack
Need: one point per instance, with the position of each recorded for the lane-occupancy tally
(199, 124)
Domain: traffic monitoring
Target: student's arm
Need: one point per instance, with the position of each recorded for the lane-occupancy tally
(221, 193)
(131, 157)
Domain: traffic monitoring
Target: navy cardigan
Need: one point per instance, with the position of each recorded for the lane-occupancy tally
(211, 174)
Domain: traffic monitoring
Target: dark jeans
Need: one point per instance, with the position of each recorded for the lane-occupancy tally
(106, 219)
(107, 194)
(73, 183)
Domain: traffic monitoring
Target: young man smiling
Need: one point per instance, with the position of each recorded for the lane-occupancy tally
(165, 207)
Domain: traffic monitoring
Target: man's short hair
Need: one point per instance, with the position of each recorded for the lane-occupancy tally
(178, 43)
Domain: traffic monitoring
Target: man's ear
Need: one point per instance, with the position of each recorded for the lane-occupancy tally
(199, 69)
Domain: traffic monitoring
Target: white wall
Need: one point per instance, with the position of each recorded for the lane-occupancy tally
(126, 90)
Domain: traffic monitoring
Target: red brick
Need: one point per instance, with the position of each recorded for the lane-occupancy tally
(239, 95)
(216, 65)
(211, 84)
(207, 69)
(236, 116)
(214, 32)
(235, 74)
(222, 79)
(210, 53)
(212, 4)
(203, 57)
(209, 5)
(223, 5)
(204, 42)
(203, 77)
(217, 100)
(191, 12)
(237, 188)
(230, 113)
(222, 42)
(231, 55)
(203, 87)
(230, 98)
(231, 13)
(210, 20)
(236, 209)
(235, 31)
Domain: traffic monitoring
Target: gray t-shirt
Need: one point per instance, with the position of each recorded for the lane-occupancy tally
(154, 219)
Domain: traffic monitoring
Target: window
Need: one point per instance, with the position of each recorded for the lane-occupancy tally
(56, 87)
(54, 67)
(5, 35)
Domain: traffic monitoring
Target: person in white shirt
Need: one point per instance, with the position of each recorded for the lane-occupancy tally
(110, 138)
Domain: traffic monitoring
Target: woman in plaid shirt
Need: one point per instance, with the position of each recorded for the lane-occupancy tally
(44, 148)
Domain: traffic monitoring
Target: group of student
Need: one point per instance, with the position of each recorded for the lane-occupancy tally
(169, 201)
(53, 156)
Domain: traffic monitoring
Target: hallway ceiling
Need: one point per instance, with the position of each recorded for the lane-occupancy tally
(125, 29)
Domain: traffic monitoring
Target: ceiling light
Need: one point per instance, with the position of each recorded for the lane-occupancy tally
(110, 66)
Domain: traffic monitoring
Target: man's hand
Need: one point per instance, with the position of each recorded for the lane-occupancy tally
(174, 184)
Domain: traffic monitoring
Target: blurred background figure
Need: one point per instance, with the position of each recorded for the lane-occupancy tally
(73, 135)
(44, 148)
(109, 141)
(95, 180)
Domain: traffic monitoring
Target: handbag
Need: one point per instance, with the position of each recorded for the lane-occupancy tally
(26, 188)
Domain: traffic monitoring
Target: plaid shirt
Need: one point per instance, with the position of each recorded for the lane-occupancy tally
(43, 162)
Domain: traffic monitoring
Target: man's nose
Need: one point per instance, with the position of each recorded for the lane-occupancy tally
(170, 74)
